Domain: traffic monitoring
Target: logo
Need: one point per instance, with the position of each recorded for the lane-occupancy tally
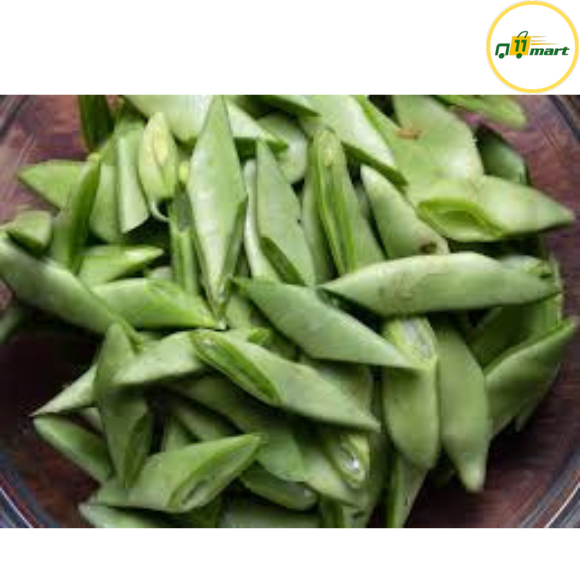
(522, 43)
(532, 62)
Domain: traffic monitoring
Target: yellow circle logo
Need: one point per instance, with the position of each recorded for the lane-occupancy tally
(532, 47)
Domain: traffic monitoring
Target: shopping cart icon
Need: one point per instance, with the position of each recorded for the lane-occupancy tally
(520, 44)
(505, 47)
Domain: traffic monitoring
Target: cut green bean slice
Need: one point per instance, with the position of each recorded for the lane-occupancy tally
(241, 315)
(524, 372)
(102, 264)
(258, 263)
(96, 120)
(218, 201)
(240, 312)
(52, 180)
(173, 358)
(32, 230)
(184, 479)
(155, 304)
(101, 516)
(487, 209)
(500, 158)
(183, 259)
(337, 515)
(202, 424)
(294, 159)
(447, 139)
(499, 108)
(375, 484)
(420, 284)
(410, 397)
(132, 205)
(206, 426)
(63, 295)
(345, 116)
(280, 455)
(158, 164)
(279, 382)
(321, 474)
(412, 159)
(349, 450)
(351, 240)
(314, 233)
(71, 226)
(187, 114)
(246, 513)
(503, 327)
(405, 482)
(318, 328)
(544, 316)
(465, 415)
(127, 421)
(77, 395)
(176, 436)
(207, 516)
(85, 449)
(288, 494)
(104, 221)
(278, 215)
(401, 230)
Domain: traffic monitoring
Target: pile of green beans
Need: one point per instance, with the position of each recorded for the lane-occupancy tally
(309, 306)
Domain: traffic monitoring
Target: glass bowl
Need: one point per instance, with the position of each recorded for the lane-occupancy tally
(533, 477)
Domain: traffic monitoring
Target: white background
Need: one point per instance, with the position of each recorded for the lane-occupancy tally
(289, 555)
(265, 46)
(253, 46)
